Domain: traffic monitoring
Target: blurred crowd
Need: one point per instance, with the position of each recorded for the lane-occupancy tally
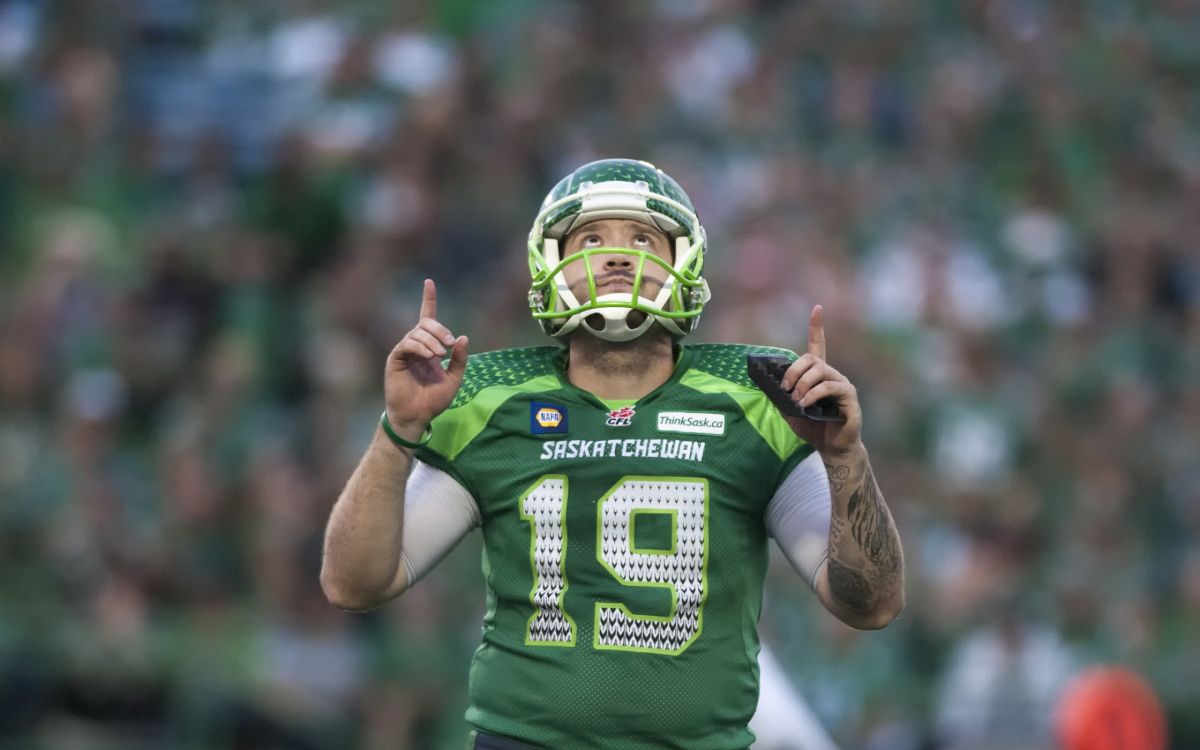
(215, 218)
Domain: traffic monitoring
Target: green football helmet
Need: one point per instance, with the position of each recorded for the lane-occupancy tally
(617, 189)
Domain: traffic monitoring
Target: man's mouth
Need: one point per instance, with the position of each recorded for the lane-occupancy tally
(615, 282)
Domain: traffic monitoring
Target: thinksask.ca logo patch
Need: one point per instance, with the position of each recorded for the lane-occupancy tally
(694, 422)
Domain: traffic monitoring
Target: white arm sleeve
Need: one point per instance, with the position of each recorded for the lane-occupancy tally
(438, 513)
(797, 517)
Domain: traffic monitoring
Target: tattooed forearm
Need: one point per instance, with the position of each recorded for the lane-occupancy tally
(866, 566)
(871, 525)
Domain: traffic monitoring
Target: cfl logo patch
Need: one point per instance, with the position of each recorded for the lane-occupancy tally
(622, 417)
(547, 419)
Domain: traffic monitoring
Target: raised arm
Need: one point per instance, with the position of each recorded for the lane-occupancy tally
(361, 567)
(863, 581)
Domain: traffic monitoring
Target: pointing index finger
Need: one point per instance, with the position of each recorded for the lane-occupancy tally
(816, 332)
(429, 300)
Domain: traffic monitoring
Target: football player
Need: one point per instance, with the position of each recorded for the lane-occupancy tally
(625, 484)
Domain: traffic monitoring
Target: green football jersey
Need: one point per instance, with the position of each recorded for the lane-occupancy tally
(624, 548)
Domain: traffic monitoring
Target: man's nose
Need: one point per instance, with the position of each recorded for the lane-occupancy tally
(614, 261)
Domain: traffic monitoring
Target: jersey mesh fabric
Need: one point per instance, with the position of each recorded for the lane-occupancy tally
(601, 633)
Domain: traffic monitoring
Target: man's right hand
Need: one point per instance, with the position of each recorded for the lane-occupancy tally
(416, 386)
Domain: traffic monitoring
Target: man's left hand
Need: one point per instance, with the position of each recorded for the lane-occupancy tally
(810, 378)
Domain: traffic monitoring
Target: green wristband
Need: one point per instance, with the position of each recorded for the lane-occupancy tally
(387, 428)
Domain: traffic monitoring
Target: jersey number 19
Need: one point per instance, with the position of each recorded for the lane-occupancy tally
(681, 568)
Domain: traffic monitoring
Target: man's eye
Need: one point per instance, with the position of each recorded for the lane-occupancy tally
(593, 240)
(641, 239)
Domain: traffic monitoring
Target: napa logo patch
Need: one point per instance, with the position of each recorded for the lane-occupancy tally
(692, 422)
(547, 419)
(622, 417)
